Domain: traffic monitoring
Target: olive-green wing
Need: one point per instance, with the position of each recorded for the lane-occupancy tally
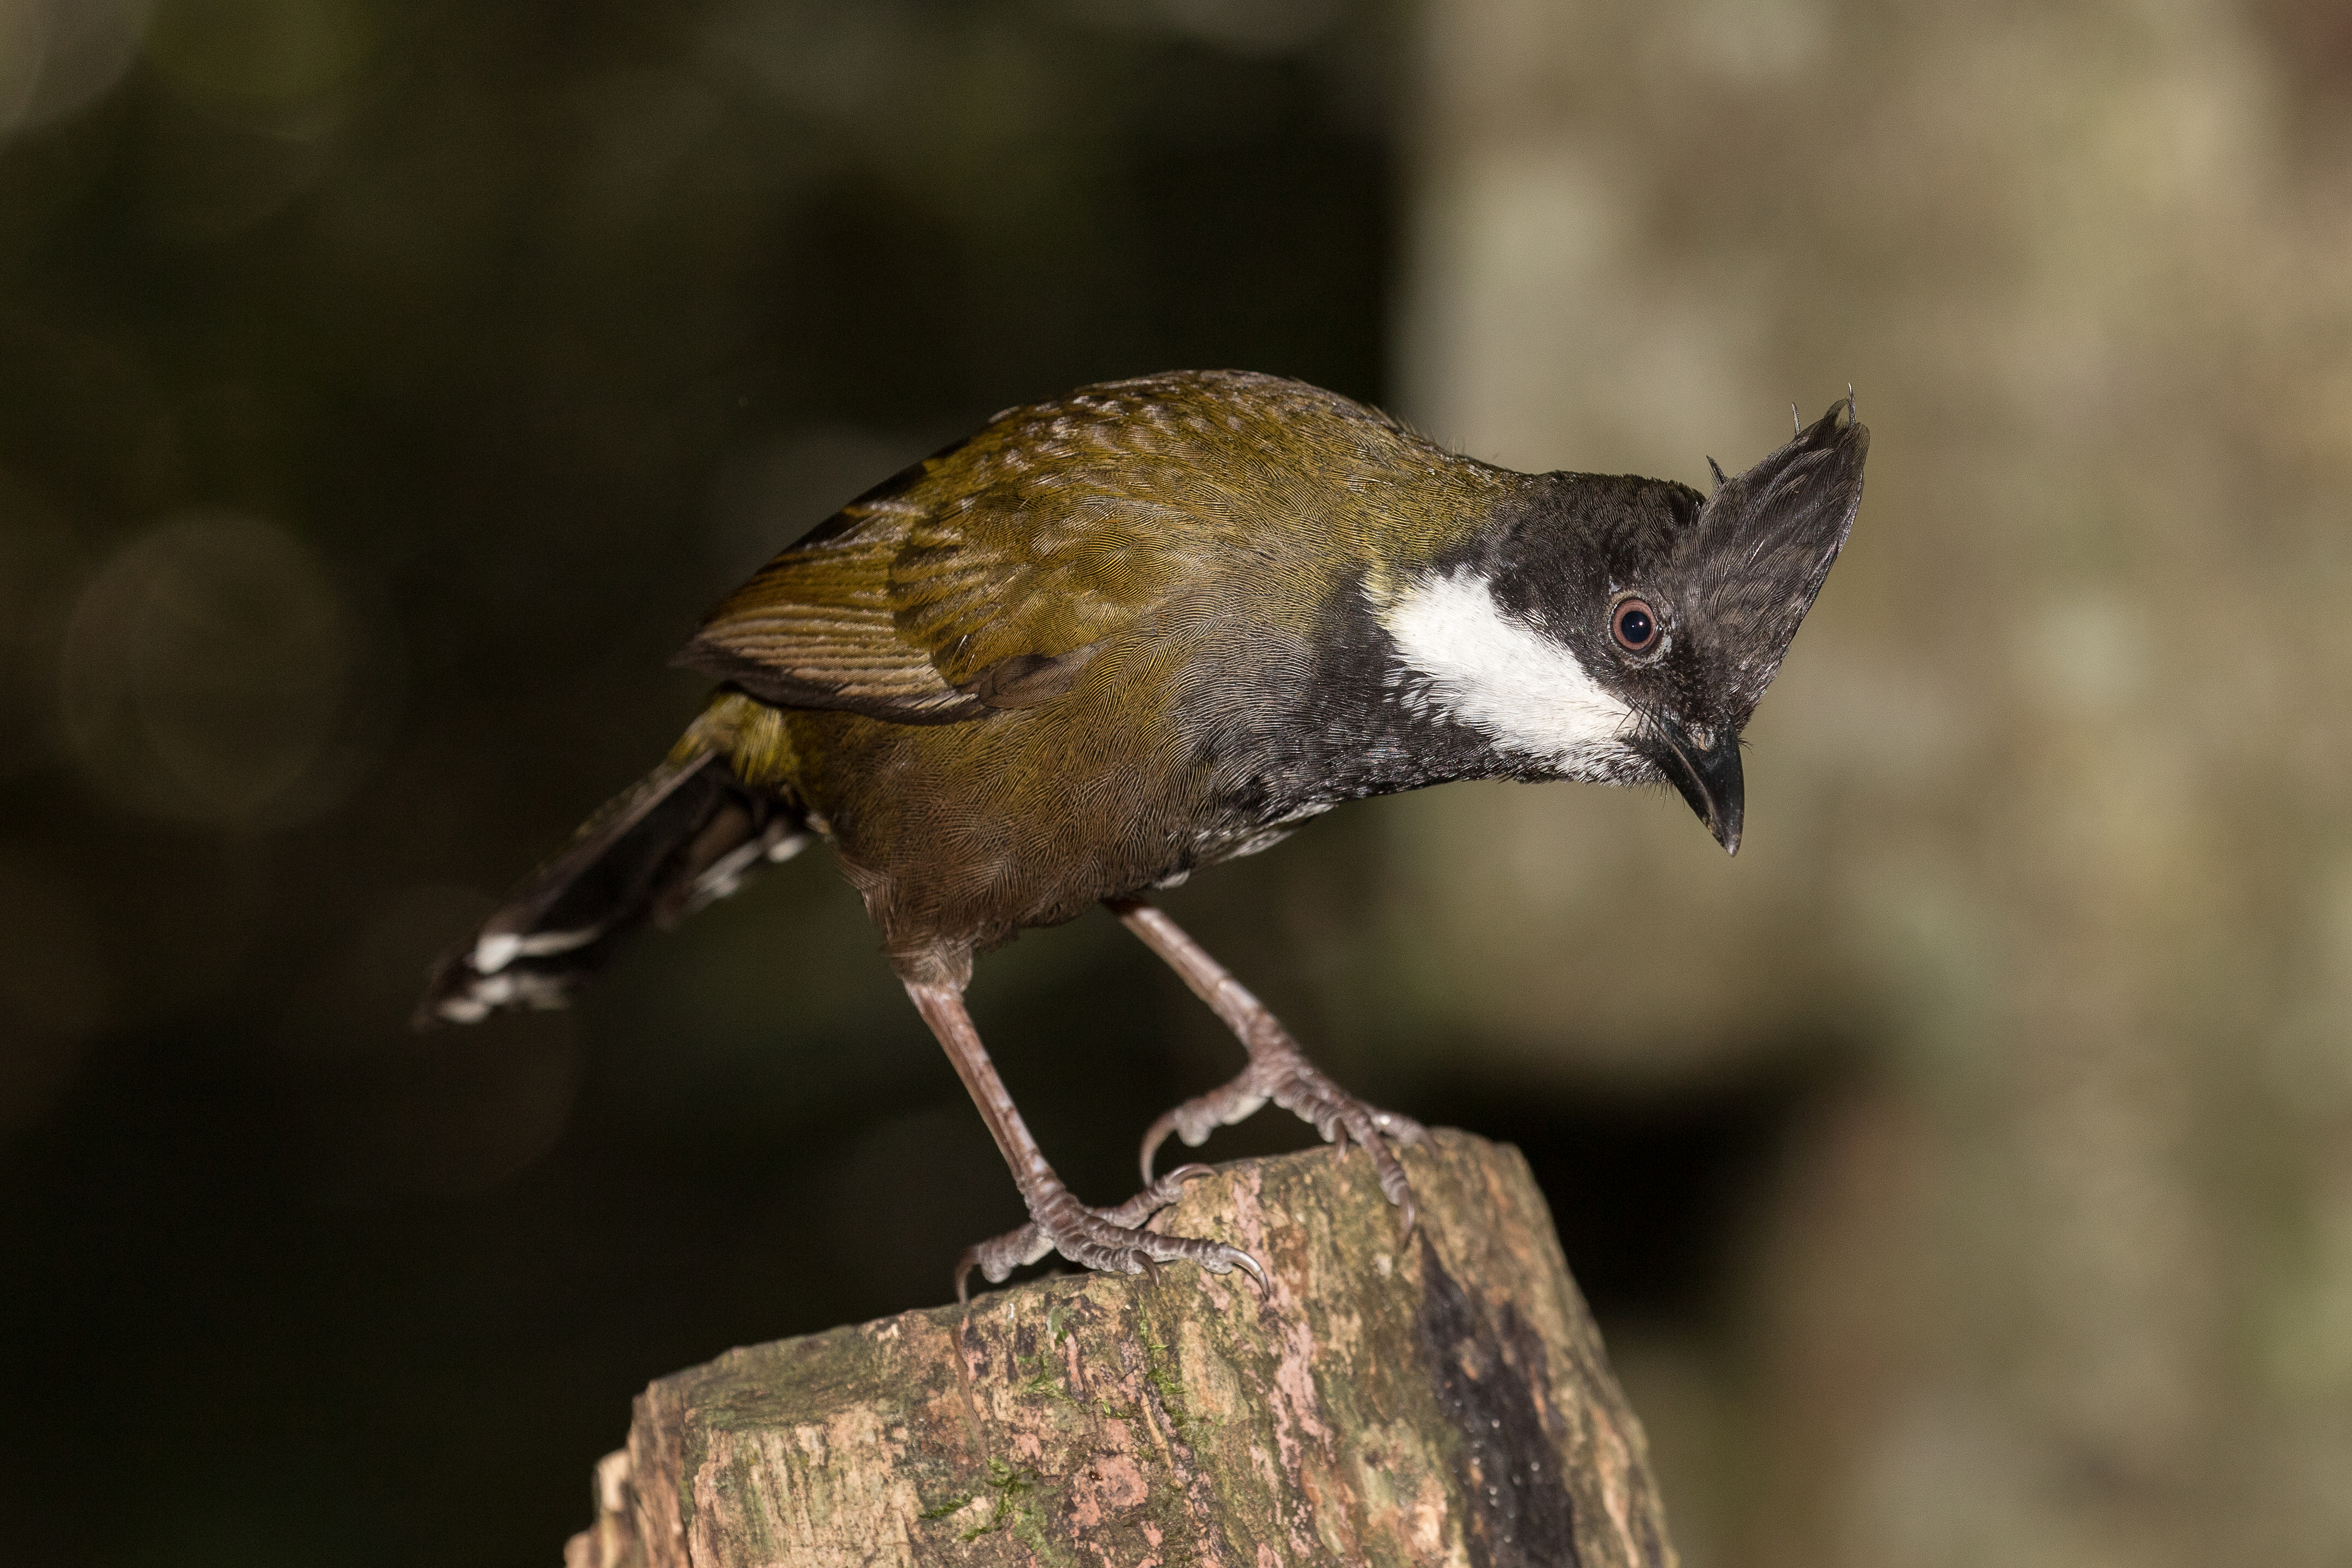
(814, 628)
(988, 575)
(968, 586)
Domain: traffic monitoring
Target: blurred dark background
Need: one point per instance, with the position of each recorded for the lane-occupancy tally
(1964, 1175)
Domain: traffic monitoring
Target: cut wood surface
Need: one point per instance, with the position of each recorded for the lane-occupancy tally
(1442, 1401)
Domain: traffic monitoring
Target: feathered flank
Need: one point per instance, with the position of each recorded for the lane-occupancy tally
(1765, 543)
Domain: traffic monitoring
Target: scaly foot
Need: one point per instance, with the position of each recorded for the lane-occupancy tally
(1112, 1240)
(1279, 1072)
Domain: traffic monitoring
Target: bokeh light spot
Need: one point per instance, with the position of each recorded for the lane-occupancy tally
(205, 671)
(59, 55)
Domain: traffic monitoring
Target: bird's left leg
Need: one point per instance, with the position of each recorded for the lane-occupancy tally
(1278, 1070)
(1113, 1240)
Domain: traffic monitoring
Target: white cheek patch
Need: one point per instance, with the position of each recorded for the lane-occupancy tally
(1485, 668)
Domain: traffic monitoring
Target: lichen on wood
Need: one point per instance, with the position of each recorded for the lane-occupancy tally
(1442, 1401)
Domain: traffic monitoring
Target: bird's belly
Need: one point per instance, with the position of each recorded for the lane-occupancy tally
(1243, 836)
(959, 835)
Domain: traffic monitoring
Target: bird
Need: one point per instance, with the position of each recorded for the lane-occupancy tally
(1117, 637)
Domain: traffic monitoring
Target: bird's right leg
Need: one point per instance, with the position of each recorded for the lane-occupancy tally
(1113, 1240)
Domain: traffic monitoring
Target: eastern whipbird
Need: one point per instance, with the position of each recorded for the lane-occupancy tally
(1151, 626)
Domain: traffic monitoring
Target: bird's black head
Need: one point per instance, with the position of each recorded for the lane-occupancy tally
(1623, 629)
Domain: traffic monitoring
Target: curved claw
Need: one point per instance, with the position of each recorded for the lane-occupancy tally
(1169, 1188)
(1394, 1183)
(999, 1256)
(1153, 1136)
(963, 1266)
(1157, 1197)
(1257, 1272)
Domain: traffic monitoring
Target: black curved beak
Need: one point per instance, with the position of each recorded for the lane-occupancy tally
(1709, 778)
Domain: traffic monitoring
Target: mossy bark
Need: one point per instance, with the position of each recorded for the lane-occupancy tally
(1444, 1401)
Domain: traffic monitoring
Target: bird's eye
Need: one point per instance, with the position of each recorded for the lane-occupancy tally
(1635, 625)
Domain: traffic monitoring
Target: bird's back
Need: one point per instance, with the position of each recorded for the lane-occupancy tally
(942, 593)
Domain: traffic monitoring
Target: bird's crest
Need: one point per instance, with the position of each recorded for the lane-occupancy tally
(1765, 541)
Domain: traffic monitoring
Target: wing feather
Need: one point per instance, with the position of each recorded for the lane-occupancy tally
(816, 627)
(988, 575)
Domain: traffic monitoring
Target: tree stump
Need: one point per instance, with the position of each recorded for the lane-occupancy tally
(1442, 1401)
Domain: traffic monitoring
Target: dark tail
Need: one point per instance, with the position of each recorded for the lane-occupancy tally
(687, 834)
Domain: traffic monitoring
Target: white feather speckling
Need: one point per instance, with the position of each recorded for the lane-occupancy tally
(496, 950)
(515, 986)
(1488, 669)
